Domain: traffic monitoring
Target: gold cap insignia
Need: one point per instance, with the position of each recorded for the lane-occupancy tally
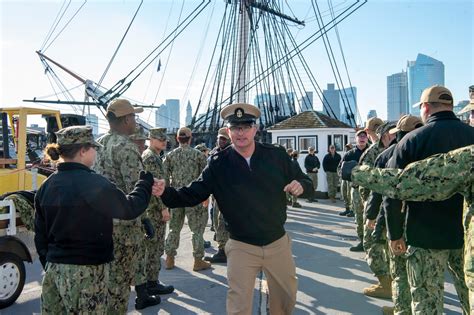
(239, 112)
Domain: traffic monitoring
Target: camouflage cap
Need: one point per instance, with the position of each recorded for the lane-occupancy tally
(406, 123)
(223, 133)
(201, 147)
(361, 131)
(373, 123)
(76, 135)
(240, 113)
(435, 94)
(184, 132)
(139, 134)
(383, 129)
(122, 107)
(158, 133)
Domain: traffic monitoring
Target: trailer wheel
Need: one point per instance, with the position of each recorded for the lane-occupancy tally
(12, 279)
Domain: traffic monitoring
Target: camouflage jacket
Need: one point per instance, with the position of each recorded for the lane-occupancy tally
(435, 178)
(368, 158)
(120, 162)
(152, 163)
(183, 165)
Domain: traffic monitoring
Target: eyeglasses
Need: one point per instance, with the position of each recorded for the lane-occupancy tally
(243, 128)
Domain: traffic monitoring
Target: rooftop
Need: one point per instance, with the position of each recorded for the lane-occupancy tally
(309, 120)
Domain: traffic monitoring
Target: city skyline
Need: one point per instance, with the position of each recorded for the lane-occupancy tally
(374, 41)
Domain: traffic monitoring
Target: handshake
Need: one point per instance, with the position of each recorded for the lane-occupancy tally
(158, 185)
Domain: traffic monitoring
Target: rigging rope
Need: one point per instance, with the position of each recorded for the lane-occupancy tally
(64, 27)
(54, 25)
(119, 45)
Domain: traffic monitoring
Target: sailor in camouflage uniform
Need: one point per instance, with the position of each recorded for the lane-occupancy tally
(182, 166)
(354, 155)
(222, 235)
(433, 179)
(75, 208)
(120, 162)
(359, 196)
(434, 236)
(157, 213)
(377, 253)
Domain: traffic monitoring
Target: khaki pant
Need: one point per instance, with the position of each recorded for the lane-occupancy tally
(314, 179)
(245, 261)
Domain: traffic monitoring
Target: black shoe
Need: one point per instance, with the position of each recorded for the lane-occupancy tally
(155, 288)
(350, 214)
(296, 205)
(345, 212)
(310, 200)
(143, 299)
(358, 248)
(207, 244)
(218, 257)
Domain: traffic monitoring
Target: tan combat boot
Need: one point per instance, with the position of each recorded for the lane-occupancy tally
(382, 290)
(387, 310)
(169, 262)
(200, 264)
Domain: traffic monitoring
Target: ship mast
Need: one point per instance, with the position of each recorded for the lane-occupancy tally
(243, 42)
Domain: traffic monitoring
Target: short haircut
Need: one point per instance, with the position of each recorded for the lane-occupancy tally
(183, 140)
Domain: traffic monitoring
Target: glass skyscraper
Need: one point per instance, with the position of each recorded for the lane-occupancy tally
(397, 96)
(422, 73)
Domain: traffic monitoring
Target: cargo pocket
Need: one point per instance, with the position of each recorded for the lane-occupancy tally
(468, 255)
(414, 267)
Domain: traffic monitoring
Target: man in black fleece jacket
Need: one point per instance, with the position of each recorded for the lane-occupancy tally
(249, 180)
(434, 236)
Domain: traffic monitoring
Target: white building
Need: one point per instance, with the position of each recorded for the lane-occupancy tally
(314, 129)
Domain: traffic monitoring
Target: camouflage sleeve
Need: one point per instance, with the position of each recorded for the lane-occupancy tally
(167, 168)
(368, 158)
(130, 165)
(432, 179)
(153, 165)
(202, 162)
(383, 181)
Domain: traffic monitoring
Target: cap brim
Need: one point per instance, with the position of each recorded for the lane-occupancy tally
(97, 144)
(416, 105)
(393, 130)
(138, 110)
(240, 122)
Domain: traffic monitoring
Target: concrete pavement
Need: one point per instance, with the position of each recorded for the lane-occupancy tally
(331, 278)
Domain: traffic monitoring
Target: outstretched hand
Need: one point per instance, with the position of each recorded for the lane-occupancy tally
(398, 247)
(294, 188)
(158, 187)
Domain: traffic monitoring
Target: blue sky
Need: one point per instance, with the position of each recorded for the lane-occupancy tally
(378, 39)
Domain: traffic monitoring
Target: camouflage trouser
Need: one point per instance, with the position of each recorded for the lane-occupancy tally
(124, 268)
(25, 209)
(400, 288)
(346, 193)
(197, 220)
(154, 250)
(333, 180)
(314, 179)
(425, 268)
(469, 263)
(222, 235)
(74, 289)
(358, 209)
(377, 254)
